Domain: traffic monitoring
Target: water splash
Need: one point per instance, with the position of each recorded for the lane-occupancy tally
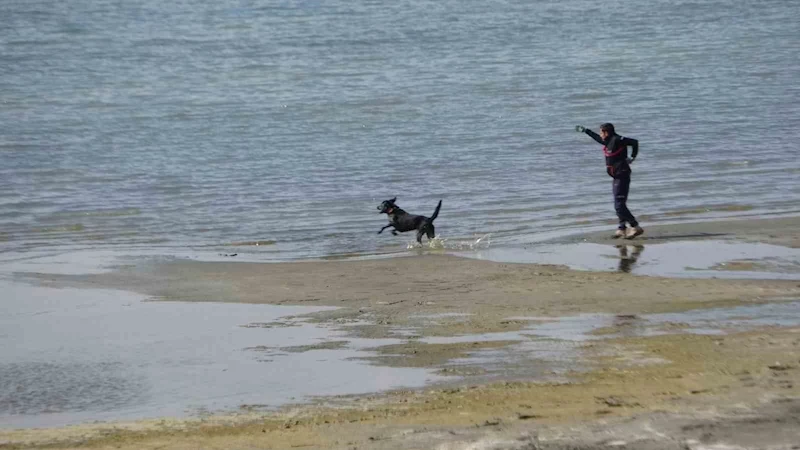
(441, 243)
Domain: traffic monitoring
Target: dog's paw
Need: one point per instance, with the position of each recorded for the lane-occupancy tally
(394, 233)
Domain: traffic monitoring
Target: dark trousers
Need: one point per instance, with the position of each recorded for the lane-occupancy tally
(620, 189)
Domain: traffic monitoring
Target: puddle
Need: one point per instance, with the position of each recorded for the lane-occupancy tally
(584, 327)
(741, 318)
(435, 319)
(55, 262)
(442, 315)
(550, 347)
(696, 259)
(531, 359)
(69, 356)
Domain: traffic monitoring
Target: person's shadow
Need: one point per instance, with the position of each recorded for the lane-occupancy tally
(627, 260)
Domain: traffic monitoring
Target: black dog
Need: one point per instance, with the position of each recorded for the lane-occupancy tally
(403, 221)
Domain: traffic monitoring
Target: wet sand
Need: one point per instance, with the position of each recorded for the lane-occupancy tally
(776, 231)
(674, 390)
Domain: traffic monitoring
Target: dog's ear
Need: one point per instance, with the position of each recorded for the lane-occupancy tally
(393, 200)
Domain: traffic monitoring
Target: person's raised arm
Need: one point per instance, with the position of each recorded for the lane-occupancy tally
(591, 134)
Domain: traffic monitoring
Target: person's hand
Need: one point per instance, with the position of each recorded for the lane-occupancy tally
(580, 129)
(630, 161)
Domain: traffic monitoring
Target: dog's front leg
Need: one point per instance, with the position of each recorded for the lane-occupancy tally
(387, 226)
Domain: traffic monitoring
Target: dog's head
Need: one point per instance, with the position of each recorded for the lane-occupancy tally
(387, 206)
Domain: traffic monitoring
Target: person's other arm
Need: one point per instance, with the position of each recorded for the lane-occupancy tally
(633, 144)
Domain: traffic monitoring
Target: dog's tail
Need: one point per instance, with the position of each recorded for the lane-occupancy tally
(435, 212)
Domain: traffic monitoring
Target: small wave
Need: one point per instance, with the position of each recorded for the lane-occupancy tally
(249, 243)
(719, 208)
(344, 256)
(99, 213)
(62, 229)
(696, 211)
(588, 95)
(729, 164)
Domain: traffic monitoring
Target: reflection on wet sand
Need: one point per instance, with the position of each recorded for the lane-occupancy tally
(627, 260)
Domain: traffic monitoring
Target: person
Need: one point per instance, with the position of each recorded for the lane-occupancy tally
(618, 167)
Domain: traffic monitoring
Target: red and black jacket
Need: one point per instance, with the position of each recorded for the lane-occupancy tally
(615, 149)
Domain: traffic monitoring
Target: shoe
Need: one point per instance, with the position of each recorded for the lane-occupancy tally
(633, 232)
(618, 234)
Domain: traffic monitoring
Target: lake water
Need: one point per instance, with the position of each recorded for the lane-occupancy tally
(218, 125)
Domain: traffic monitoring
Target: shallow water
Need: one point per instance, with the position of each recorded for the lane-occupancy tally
(702, 321)
(68, 356)
(699, 259)
(552, 346)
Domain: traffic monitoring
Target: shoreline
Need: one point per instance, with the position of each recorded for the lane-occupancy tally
(621, 377)
(771, 230)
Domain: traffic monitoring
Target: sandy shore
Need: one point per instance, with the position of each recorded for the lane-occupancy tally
(674, 390)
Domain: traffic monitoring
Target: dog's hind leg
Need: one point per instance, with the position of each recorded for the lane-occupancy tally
(420, 233)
